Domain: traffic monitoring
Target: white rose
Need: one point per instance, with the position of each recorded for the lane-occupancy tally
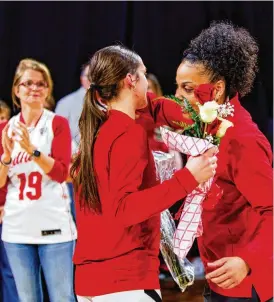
(225, 124)
(208, 111)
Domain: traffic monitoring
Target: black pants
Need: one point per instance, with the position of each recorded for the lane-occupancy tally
(210, 296)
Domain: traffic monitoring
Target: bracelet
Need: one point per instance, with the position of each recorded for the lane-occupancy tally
(3, 163)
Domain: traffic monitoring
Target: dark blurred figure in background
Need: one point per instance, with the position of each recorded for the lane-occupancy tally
(71, 107)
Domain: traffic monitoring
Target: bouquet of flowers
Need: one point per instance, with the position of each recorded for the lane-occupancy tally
(208, 122)
(182, 271)
(206, 130)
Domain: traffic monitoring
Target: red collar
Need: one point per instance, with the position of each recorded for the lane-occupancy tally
(237, 108)
(235, 100)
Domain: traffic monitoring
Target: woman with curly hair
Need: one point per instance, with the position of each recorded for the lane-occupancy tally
(236, 246)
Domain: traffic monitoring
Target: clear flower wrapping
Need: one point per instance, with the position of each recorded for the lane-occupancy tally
(182, 271)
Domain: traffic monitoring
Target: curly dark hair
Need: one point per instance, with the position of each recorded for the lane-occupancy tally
(226, 51)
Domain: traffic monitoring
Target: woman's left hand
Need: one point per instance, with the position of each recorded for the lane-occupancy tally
(229, 272)
(23, 138)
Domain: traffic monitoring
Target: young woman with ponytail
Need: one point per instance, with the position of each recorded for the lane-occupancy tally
(118, 200)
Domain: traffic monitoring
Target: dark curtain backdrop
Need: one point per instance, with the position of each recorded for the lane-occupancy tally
(64, 35)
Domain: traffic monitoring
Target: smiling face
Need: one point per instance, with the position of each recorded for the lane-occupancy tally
(32, 88)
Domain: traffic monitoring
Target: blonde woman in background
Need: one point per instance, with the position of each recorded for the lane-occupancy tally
(154, 85)
(38, 229)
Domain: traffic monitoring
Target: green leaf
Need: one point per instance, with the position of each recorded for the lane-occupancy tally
(174, 99)
(216, 140)
(194, 130)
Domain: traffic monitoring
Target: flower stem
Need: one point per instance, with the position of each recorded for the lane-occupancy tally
(204, 135)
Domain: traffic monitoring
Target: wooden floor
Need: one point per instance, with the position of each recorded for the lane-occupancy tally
(171, 293)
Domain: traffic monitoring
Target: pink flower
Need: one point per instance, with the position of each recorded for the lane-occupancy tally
(204, 93)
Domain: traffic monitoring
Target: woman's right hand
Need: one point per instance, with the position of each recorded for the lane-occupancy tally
(204, 166)
(7, 143)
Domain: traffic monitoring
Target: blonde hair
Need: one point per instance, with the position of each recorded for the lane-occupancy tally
(5, 108)
(49, 104)
(32, 64)
(155, 83)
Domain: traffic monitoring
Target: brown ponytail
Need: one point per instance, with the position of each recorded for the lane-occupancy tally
(108, 67)
(91, 119)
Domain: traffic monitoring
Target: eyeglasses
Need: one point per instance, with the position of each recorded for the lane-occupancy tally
(30, 84)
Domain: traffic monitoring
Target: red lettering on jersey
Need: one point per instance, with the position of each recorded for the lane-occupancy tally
(15, 161)
(27, 158)
(22, 157)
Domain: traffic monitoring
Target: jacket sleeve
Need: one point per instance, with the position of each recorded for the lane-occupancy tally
(165, 112)
(128, 162)
(61, 149)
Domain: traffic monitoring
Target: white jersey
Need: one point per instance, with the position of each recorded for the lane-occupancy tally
(37, 209)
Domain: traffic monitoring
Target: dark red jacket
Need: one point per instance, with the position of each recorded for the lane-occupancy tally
(149, 122)
(241, 222)
(118, 250)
